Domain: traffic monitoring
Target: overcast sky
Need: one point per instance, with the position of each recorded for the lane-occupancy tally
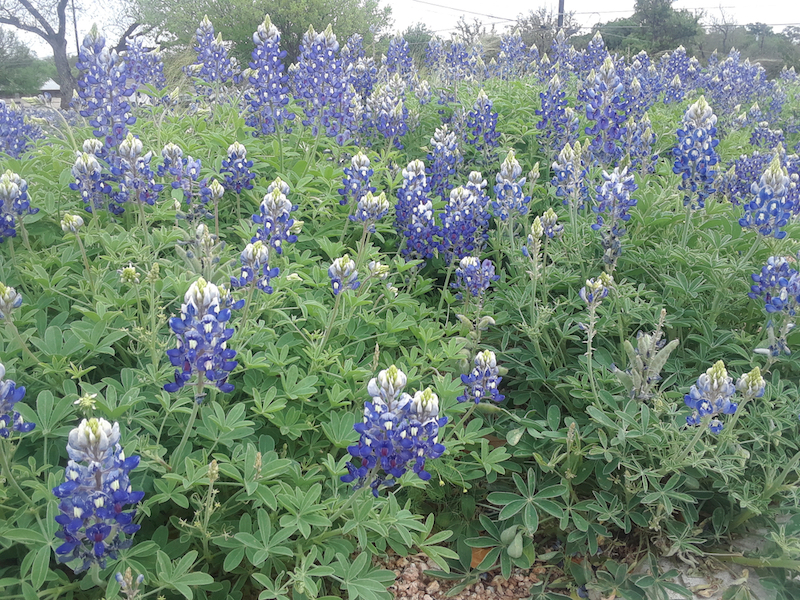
(442, 15)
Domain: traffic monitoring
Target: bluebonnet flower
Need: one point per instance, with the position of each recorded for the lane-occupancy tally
(71, 223)
(546, 225)
(559, 123)
(16, 136)
(93, 497)
(514, 53)
(456, 62)
(255, 268)
(596, 289)
(606, 108)
(736, 182)
(398, 61)
(371, 209)
(434, 56)
(778, 286)
(443, 158)
(103, 91)
(550, 225)
(236, 169)
(569, 176)
(202, 352)
(674, 92)
(510, 189)
(356, 179)
(423, 92)
(771, 208)
(398, 431)
(138, 180)
(696, 155)
(268, 95)
(144, 65)
(14, 203)
(172, 160)
(482, 126)
(9, 300)
(561, 52)
(766, 138)
(612, 204)
(276, 225)
(343, 274)
(196, 190)
(639, 142)
(546, 70)
(10, 394)
(474, 276)
(361, 71)
(483, 380)
(459, 225)
(91, 184)
(711, 396)
(387, 112)
(481, 217)
(421, 231)
(128, 585)
(751, 385)
(321, 86)
(595, 54)
(212, 67)
(413, 191)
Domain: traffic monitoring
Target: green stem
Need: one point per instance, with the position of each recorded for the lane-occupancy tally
(330, 323)
(247, 302)
(697, 435)
(450, 268)
(349, 503)
(10, 476)
(86, 262)
(462, 422)
(753, 248)
(687, 222)
(143, 224)
(589, 339)
(190, 424)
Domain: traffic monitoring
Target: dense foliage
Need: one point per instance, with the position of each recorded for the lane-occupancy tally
(257, 338)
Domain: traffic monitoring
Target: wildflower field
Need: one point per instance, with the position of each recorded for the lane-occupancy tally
(262, 331)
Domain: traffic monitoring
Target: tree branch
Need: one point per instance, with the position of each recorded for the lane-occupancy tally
(34, 12)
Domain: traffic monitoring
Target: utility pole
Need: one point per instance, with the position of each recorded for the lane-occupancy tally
(560, 14)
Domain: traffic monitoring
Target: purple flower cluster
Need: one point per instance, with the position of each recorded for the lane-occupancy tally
(482, 126)
(14, 203)
(771, 208)
(696, 154)
(513, 56)
(443, 158)
(91, 181)
(356, 179)
(569, 176)
(474, 276)
(509, 189)
(16, 135)
(10, 394)
(559, 123)
(742, 172)
(202, 352)
(255, 268)
(387, 114)
(398, 432)
(778, 286)
(138, 180)
(460, 222)
(213, 67)
(483, 380)
(236, 169)
(93, 497)
(606, 108)
(766, 138)
(269, 93)
(398, 61)
(275, 223)
(143, 64)
(361, 71)
(343, 274)
(320, 86)
(612, 204)
(103, 91)
(371, 209)
(711, 396)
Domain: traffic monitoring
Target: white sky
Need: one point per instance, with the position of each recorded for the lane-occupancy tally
(443, 18)
(588, 12)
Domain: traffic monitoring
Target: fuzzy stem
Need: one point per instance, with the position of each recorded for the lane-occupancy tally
(462, 422)
(698, 434)
(589, 339)
(686, 224)
(21, 342)
(192, 417)
(450, 268)
(248, 301)
(85, 262)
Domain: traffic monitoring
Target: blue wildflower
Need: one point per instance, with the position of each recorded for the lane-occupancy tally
(276, 225)
(255, 268)
(569, 176)
(236, 169)
(138, 180)
(10, 394)
(343, 274)
(771, 208)
(443, 158)
(202, 352)
(398, 432)
(696, 155)
(371, 209)
(711, 396)
(474, 276)
(16, 136)
(93, 497)
(356, 179)
(612, 204)
(212, 67)
(483, 380)
(511, 198)
(14, 203)
(482, 126)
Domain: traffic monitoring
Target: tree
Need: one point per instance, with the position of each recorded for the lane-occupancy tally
(761, 31)
(175, 22)
(540, 27)
(665, 27)
(20, 71)
(48, 20)
(724, 25)
(418, 37)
